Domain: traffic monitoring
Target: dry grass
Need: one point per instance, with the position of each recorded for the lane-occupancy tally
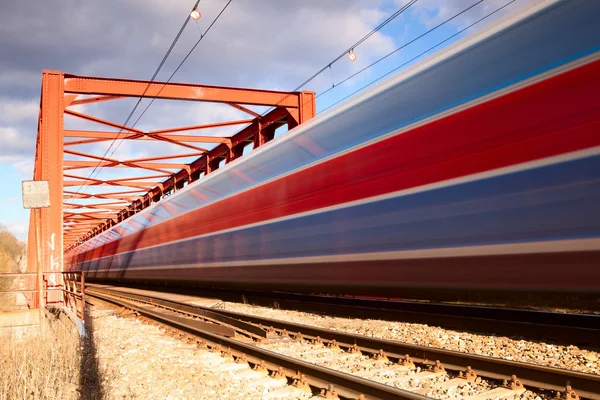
(43, 366)
(11, 254)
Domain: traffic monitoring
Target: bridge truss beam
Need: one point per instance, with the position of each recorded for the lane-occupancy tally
(67, 223)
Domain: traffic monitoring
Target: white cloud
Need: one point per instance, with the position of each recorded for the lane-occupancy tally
(433, 12)
(16, 228)
(13, 111)
(24, 166)
(14, 144)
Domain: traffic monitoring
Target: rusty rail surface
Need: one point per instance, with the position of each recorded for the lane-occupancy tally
(587, 386)
(322, 378)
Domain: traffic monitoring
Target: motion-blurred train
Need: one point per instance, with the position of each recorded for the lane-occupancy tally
(476, 169)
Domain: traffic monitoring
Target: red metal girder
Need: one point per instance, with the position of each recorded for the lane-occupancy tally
(147, 136)
(179, 91)
(48, 222)
(108, 203)
(95, 99)
(109, 162)
(102, 121)
(86, 195)
(138, 177)
(100, 206)
(95, 215)
(204, 126)
(118, 179)
(82, 221)
(170, 157)
(68, 99)
(276, 115)
(246, 110)
(137, 135)
(108, 183)
(88, 164)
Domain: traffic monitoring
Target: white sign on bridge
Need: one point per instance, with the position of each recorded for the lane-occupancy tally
(36, 194)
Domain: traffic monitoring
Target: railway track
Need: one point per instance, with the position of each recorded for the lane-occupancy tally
(350, 366)
(565, 328)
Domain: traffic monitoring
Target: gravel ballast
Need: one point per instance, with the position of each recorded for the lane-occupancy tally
(557, 356)
(138, 361)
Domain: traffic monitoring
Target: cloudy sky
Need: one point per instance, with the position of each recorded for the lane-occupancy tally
(271, 44)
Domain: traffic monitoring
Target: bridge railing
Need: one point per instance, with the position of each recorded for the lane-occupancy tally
(72, 289)
(27, 286)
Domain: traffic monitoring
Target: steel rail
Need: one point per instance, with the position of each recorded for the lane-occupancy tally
(346, 385)
(567, 328)
(571, 328)
(587, 386)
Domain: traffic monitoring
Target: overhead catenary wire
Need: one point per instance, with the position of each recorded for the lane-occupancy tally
(408, 43)
(202, 35)
(401, 47)
(358, 43)
(98, 167)
(419, 55)
(352, 47)
(160, 65)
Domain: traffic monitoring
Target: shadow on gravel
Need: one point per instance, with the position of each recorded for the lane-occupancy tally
(90, 379)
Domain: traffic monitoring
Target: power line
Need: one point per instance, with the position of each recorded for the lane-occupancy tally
(401, 47)
(175, 71)
(359, 42)
(418, 56)
(164, 59)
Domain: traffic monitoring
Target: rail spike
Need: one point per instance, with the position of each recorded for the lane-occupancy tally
(568, 394)
(329, 393)
(514, 383)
